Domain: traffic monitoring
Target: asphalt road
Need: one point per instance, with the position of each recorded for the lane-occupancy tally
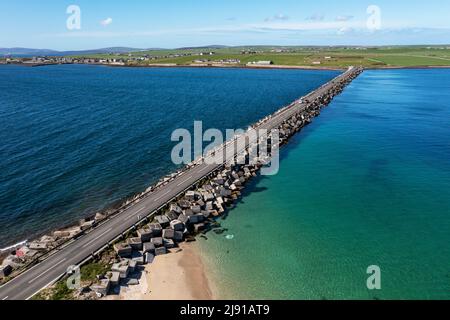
(46, 272)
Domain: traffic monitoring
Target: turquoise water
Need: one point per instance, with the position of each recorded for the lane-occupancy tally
(75, 138)
(367, 183)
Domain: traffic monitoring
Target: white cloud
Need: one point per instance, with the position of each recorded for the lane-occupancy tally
(344, 18)
(316, 17)
(277, 17)
(106, 22)
(344, 30)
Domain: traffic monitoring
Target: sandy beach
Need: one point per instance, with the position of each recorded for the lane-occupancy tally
(179, 275)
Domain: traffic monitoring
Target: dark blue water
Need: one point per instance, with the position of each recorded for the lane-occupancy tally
(74, 139)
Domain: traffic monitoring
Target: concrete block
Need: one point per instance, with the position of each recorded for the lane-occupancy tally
(183, 218)
(133, 263)
(175, 208)
(206, 213)
(158, 242)
(102, 288)
(198, 227)
(201, 203)
(178, 236)
(145, 234)
(115, 278)
(149, 257)
(135, 243)
(122, 268)
(168, 233)
(177, 225)
(123, 249)
(196, 218)
(169, 244)
(184, 204)
(148, 247)
(162, 220)
(172, 215)
(156, 229)
(160, 251)
(190, 195)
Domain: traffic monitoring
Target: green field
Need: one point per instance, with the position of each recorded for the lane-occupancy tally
(372, 57)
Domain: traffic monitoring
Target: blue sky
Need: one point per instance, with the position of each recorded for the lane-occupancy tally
(177, 23)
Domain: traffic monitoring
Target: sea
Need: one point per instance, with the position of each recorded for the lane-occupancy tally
(366, 184)
(75, 139)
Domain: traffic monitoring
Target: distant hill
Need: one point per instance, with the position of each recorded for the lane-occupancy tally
(214, 46)
(25, 51)
(48, 52)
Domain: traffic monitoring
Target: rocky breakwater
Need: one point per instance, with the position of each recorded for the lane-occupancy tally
(197, 210)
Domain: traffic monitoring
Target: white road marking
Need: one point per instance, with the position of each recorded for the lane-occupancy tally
(185, 180)
(5, 298)
(166, 193)
(128, 218)
(96, 238)
(54, 266)
(203, 169)
(47, 285)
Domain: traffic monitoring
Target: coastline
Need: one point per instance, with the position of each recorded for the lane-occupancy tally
(226, 66)
(180, 275)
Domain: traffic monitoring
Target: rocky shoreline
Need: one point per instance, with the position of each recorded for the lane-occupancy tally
(193, 213)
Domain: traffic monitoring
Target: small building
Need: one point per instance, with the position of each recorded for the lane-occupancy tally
(261, 63)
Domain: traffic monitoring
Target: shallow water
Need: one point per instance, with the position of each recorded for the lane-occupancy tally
(367, 183)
